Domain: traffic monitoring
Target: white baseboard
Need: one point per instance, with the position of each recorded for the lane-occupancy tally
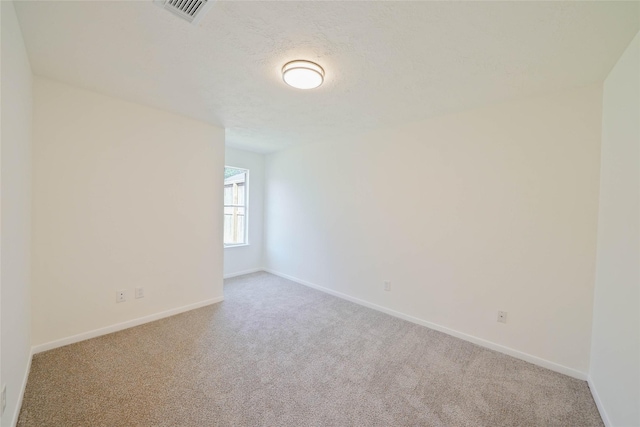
(16, 411)
(600, 406)
(242, 273)
(120, 326)
(479, 341)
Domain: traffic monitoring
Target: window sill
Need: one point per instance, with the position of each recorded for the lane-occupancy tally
(236, 246)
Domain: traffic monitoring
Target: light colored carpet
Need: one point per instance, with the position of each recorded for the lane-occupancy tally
(276, 353)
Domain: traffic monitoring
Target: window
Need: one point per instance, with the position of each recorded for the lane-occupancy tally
(235, 206)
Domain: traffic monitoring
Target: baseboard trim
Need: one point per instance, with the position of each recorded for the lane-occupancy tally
(599, 405)
(120, 326)
(23, 388)
(479, 341)
(242, 273)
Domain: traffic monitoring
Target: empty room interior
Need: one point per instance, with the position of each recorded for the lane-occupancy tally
(320, 213)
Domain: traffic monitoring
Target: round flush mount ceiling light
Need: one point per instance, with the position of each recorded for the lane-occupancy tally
(302, 74)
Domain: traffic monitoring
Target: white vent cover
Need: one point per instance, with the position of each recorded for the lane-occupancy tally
(190, 10)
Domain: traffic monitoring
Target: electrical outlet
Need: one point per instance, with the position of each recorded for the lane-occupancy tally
(387, 286)
(139, 292)
(121, 296)
(502, 316)
(4, 398)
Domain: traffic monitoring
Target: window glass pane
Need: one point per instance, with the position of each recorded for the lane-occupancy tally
(232, 172)
(240, 190)
(228, 194)
(235, 199)
(241, 229)
(234, 225)
(228, 234)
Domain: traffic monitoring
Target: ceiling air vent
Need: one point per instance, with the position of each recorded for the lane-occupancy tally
(190, 10)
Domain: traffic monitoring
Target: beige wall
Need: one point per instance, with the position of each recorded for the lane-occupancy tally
(15, 212)
(125, 196)
(466, 214)
(615, 354)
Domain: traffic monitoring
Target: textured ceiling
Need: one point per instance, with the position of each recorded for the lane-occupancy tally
(386, 62)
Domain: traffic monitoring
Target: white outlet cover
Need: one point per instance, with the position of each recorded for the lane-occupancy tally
(121, 296)
(502, 316)
(139, 292)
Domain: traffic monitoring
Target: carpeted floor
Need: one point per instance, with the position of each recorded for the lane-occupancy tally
(276, 353)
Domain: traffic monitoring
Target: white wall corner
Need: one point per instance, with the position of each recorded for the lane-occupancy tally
(599, 404)
(23, 388)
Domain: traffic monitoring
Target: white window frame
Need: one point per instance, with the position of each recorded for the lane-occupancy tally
(246, 208)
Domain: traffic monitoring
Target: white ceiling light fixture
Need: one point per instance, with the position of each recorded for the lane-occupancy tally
(302, 74)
